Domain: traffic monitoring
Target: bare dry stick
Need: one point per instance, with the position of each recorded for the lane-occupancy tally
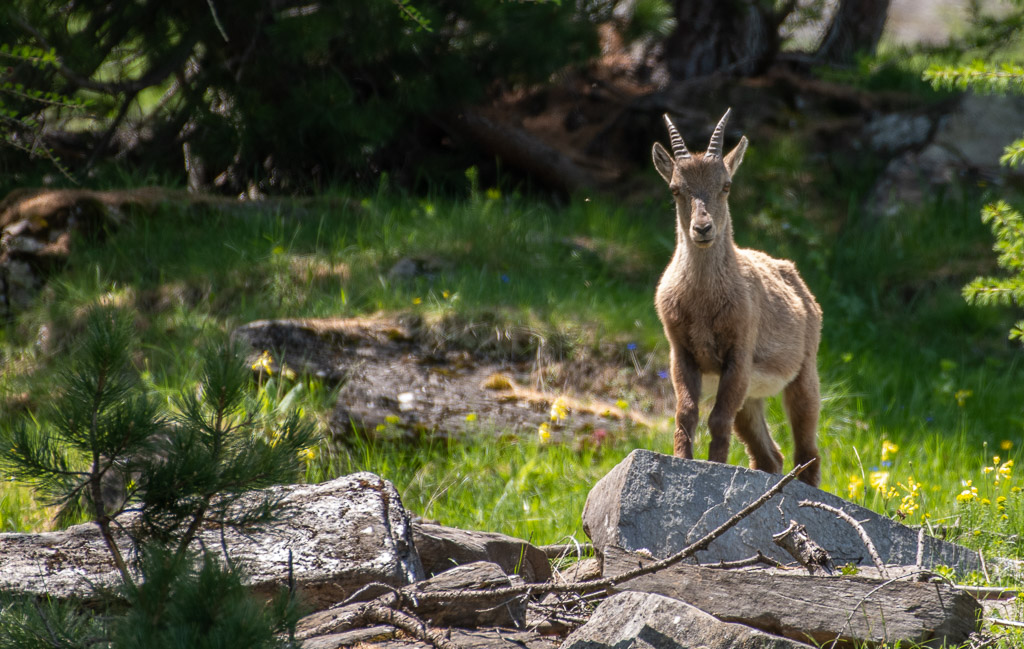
(758, 558)
(417, 628)
(984, 568)
(1002, 622)
(919, 561)
(988, 592)
(872, 552)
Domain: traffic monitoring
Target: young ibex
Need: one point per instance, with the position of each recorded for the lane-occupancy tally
(741, 325)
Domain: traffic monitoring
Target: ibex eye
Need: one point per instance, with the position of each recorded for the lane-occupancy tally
(726, 187)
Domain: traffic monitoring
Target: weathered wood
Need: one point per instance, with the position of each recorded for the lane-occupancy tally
(812, 609)
(795, 540)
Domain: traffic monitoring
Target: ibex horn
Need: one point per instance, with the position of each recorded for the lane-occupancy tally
(715, 147)
(678, 147)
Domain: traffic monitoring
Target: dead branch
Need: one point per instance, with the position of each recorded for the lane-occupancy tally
(1002, 622)
(989, 592)
(757, 559)
(562, 550)
(855, 524)
(795, 540)
(375, 614)
(984, 568)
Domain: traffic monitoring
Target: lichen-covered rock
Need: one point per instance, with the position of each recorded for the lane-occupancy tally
(339, 536)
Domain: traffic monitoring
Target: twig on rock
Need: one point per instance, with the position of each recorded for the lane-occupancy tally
(795, 540)
(988, 592)
(919, 561)
(856, 526)
(417, 628)
(561, 550)
(1002, 622)
(758, 558)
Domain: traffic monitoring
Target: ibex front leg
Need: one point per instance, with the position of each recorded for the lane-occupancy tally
(732, 392)
(686, 383)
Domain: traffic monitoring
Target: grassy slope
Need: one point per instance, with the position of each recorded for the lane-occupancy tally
(903, 358)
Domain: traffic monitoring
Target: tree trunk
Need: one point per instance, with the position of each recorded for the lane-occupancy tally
(856, 28)
(737, 36)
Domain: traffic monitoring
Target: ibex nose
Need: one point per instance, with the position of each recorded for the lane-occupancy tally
(703, 229)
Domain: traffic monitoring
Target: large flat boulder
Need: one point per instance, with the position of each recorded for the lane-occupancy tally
(339, 536)
(662, 504)
(642, 620)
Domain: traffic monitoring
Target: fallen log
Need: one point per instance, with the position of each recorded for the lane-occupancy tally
(836, 611)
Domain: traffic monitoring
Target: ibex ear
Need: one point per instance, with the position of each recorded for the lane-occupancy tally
(735, 157)
(663, 162)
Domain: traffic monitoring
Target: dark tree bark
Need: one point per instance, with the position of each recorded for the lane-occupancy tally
(735, 36)
(856, 28)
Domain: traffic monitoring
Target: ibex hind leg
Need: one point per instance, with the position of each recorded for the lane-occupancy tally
(752, 430)
(802, 399)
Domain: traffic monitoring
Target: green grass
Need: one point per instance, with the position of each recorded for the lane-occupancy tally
(903, 358)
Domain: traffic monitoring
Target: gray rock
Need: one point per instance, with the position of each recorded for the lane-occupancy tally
(644, 620)
(442, 548)
(501, 611)
(340, 535)
(661, 504)
(981, 127)
(897, 132)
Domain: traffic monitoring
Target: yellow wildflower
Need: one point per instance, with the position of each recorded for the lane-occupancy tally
(393, 419)
(265, 363)
(417, 300)
(856, 486)
(307, 454)
(471, 416)
(962, 396)
(888, 450)
(559, 410)
(879, 480)
(1006, 469)
(544, 433)
(968, 494)
(622, 404)
(445, 294)
(1006, 444)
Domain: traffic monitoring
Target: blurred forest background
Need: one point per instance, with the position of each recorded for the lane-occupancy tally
(485, 166)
